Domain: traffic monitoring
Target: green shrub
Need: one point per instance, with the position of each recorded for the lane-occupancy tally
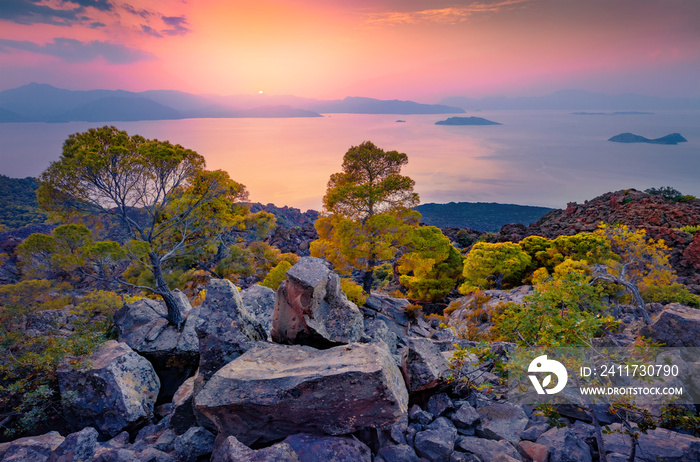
(353, 291)
(276, 275)
(673, 293)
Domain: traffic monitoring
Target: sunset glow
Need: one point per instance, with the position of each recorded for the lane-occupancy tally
(387, 49)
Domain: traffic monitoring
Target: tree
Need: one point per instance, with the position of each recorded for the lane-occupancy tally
(494, 264)
(167, 204)
(366, 211)
(430, 266)
(636, 263)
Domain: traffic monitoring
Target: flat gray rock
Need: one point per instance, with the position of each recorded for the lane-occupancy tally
(270, 393)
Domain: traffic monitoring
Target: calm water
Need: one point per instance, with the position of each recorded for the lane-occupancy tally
(545, 158)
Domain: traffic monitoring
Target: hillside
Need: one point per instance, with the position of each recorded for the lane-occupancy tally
(661, 217)
(18, 205)
(481, 216)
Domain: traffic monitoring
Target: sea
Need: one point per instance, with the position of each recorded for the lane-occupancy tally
(543, 158)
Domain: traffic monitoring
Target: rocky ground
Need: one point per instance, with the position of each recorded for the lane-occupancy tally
(305, 375)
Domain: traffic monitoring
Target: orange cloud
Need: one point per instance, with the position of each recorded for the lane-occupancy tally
(450, 15)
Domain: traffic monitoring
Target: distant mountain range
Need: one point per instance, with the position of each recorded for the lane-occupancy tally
(45, 103)
(575, 100)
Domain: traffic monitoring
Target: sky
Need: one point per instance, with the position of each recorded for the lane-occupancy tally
(422, 50)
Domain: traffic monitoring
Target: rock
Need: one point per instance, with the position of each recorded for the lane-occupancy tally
(182, 412)
(533, 452)
(31, 448)
(225, 328)
(77, 447)
(400, 453)
(120, 441)
(423, 365)
(268, 394)
(166, 441)
(464, 457)
(260, 303)
(232, 450)
(565, 446)
(116, 455)
(654, 445)
(377, 331)
(311, 309)
(418, 415)
(501, 421)
(174, 355)
(438, 404)
(148, 435)
(465, 417)
(313, 448)
(390, 310)
(676, 326)
(114, 391)
(486, 449)
(192, 444)
(437, 442)
(533, 432)
(154, 455)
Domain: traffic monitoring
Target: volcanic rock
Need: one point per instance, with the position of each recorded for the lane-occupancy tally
(269, 393)
(174, 354)
(311, 309)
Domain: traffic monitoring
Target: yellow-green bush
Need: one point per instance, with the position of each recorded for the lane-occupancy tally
(353, 291)
(276, 275)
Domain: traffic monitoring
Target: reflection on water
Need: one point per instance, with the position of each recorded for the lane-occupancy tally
(542, 158)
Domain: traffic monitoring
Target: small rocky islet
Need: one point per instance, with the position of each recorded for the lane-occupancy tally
(466, 121)
(673, 138)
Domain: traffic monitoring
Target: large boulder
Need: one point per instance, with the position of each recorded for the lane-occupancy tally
(311, 309)
(501, 421)
(77, 447)
(270, 393)
(676, 326)
(225, 328)
(174, 354)
(392, 311)
(115, 390)
(31, 448)
(424, 367)
(260, 303)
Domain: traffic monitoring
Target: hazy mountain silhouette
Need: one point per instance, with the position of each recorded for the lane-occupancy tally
(45, 103)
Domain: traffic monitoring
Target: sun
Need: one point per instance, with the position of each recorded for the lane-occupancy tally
(260, 92)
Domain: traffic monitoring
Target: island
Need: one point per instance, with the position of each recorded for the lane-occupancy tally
(673, 138)
(466, 121)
